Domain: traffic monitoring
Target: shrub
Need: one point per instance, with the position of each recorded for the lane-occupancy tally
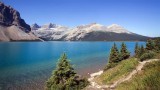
(147, 55)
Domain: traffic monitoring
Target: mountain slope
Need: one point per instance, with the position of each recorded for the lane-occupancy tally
(90, 32)
(111, 36)
(12, 27)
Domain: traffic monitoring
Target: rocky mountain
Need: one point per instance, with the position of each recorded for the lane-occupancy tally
(51, 32)
(48, 26)
(90, 32)
(12, 26)
(35, 26)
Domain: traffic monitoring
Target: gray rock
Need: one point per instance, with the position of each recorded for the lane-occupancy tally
(35, 26)
(12, 27)
(48, 26)
(9, 17)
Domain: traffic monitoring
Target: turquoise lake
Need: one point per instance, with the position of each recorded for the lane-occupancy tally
(26, 63)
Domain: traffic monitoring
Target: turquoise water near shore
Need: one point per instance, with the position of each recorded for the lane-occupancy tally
(26, 62)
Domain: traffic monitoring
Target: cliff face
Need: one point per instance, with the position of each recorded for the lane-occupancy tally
(12, 26)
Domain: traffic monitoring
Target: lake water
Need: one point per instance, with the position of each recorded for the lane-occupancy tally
(31, 63)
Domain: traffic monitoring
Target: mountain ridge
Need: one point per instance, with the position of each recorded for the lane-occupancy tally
(89, 32)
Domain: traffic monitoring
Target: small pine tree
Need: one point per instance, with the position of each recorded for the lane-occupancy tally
(113, 57)
(150, 45)
(136, 50)
(114, 54)
(141, 51)
(64, 77)
(124, 52)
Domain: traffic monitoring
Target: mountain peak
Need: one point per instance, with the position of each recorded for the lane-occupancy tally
(9, 16)
(118, 29)
(114, 25)
(89, 26)
(35, 26)
(49, 25)
(92, 31)
(12, 26)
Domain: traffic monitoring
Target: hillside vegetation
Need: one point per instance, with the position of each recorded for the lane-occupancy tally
(120, 71)
(146, 58)
(147, 79)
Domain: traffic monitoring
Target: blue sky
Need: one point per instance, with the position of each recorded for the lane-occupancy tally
(138, 16)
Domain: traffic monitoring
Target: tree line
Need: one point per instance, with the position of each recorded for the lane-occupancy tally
(141, 52)
(117, 55)
(152, 47)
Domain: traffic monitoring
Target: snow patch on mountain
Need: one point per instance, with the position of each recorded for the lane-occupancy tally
(117, 29)
(58, 32)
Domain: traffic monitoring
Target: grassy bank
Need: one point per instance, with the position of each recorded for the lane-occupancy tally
(147, 79)
(121, 70)
(141, 72)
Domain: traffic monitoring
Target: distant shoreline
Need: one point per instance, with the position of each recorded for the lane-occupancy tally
(64, 41)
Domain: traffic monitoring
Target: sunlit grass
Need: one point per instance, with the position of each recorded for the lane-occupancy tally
(121, 70)
(147, 79)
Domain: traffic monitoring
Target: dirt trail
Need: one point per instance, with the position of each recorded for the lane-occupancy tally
(95, 86)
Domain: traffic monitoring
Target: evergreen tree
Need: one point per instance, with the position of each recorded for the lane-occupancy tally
(113, 57)
(136, 50)
(141, 51)
(157, 45)
(64, 77)
(150, 45)
(124, 52)
(114, 54)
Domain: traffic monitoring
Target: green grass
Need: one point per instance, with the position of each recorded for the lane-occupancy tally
(122, 69)
(147, 79)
